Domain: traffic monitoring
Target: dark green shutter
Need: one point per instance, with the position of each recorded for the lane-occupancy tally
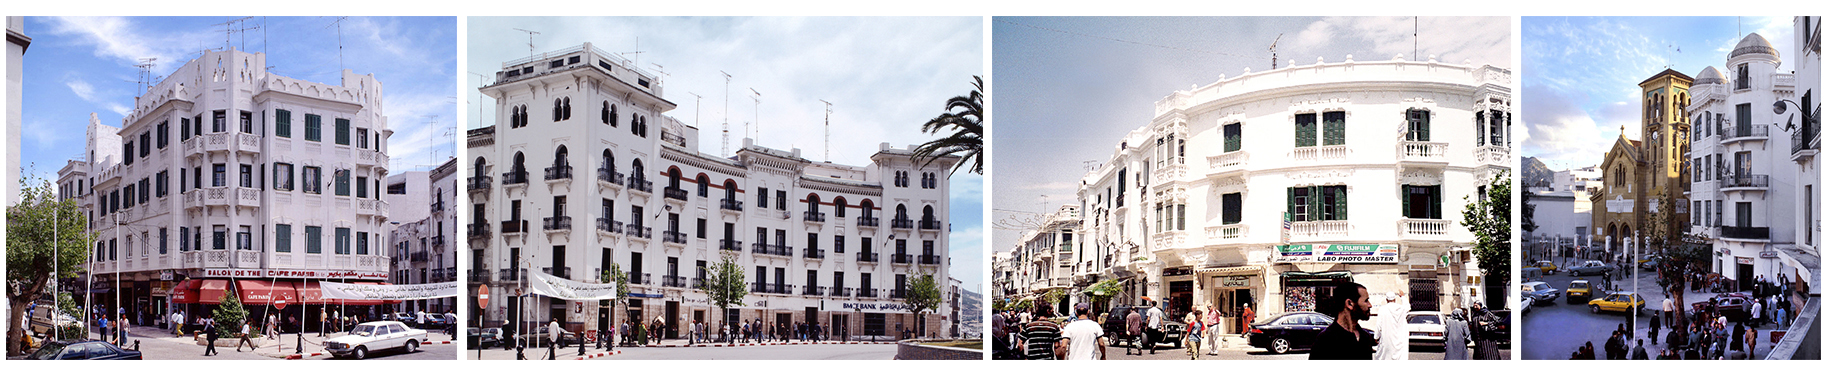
(1289, 214)
(1437, 202)
(1342, 202)
(1406, 201)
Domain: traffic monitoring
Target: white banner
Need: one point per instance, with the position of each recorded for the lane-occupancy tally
(332, 290)
(559, 288)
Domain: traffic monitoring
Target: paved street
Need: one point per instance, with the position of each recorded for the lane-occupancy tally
(1236, 348)
(791, 351)
(1554, 331)
(160, 344)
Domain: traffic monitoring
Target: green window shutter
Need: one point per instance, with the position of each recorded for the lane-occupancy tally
(1437, 202)
(1425, 127)
(1342, 202)
(341, 131)
(283, 123)
(1406, 201)
(1289, 206)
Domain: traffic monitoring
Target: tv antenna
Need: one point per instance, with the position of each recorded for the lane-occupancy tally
(756, 115)
(662, 74)
(826, 128)
(530, 48)
(145, 74)
(1274, 49)
(338, 24)
(636, 52)
(1091, 166)
(726, 79)
(229, 28)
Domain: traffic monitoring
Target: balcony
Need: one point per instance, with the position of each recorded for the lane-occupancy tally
(607, 226)
(557, 223)
(369, 157)
(365, 206)
(675, 193)
(896, 294)
(1423, 151)
(513, 178)
(1234, 231)
(1744, 182)
(480, 183)
(640, 232)
(437, 207)
(1320, 230)
(841, 292)
(930, 225)
(1733, 232)
(1320, 153)
(867, 293)
(699, 283)
(1745, 132)
(1805, 142)
(867, 221)
(1229, 162)
(639, 278)
(1492, 155)
(609, 179)
(732, 205)
(480, 231)
(902, 258)
(771, 250)
(1418, 228)
(674, 281)
(671, 138)
(772, 288)
(563, 272)
(813, 253)
(479, 276)
(509, 275)
(813, 291)
(728, 245)
(640, 184)
(559, 173)
(674, 237)
(928, 259)
(437, 241)
(512, 226)
(900, 223)
(1744, 82)
(811, 216)
(867, 257)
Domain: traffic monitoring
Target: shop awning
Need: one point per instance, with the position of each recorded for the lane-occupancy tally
(1231, 270)
(1316, 277)
(211, 291)
(184, 292)
(254, 292)
(313, 294)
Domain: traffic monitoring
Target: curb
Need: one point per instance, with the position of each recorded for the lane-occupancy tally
(773, 344)
(302, 356)
(597, 355)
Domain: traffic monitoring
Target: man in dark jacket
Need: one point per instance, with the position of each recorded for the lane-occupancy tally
(1614, 349)
(1345, 339)
(1136, 329)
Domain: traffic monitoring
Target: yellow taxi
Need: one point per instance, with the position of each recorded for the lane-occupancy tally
(1546, 266)
(1619, 301)
(1578, 291)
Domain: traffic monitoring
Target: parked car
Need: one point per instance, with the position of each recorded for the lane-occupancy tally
(1526, 304)
(1425, 328)
(1117, 323)
(373, 336)
(82, 350)
(1531, 274)
(1288, 331)
(1734, 306)
(1619, 301)
(483, 338)
(1546, 266)
(1540, 292)
(1592, 268)
(541, 337)
(1502, 329)
(1580, 291)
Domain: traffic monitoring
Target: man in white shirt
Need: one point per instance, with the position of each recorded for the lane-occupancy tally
(1154, 318)
(1392, 331)
(1082, 338)
(177, 323)
(557, 333)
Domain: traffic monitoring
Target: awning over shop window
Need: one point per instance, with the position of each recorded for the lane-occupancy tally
(184, 292)
(1231, 270)
(1319, 278)
(211, 291)
(254, 292)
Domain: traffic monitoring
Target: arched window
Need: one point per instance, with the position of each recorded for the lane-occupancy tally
(519, 162)
(557, 110)
(607, 167)
(867, 209)
(566, 107)
(481, 166)
(639, 170)
(563, 157)
(702, 185)
(673, 177)
(728, 190)
(608, 113)
(841, 207)
(899, 212)
(930, 214)
(810, 203)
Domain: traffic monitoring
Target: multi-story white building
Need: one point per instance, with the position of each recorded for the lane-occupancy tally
(422, 250)
(227, 174)
(16, 44)
(1046, 255)
(581, 146)
(1743, 181)
(1272, 187)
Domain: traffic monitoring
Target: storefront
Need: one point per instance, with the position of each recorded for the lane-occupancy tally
(1229, 289)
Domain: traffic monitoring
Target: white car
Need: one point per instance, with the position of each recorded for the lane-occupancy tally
(375, 336)
(1425, 327)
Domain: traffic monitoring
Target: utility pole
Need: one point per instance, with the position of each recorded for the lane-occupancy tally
(826, 128)
(699, 120)
(726, 79)
(338, 24)
(756, 115)
(1274, 49)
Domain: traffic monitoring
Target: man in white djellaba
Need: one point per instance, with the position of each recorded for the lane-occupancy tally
(1391, 329)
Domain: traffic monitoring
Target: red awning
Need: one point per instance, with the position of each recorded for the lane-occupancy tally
(313, 294)
(184, 292)
(211, 291)
(254, 292)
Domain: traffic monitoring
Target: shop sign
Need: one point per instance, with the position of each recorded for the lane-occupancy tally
(293, 273)
(1744, 260)
(166, 275)
(1770, 254)
(1340, 253)
(875, 307)
(1235, 281)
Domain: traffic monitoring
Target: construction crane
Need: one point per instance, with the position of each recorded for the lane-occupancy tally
(1274, 49)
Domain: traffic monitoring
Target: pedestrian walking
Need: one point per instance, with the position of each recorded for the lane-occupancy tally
(1345, 338)
(1136, 330)
(102, 323)
(177, 323)
(1155, 318)
(1640, 350)
(1212, 328)
(210, 335)
(1194, 333)
(1456, 336)
(1039, 338)
(1653, 328)
(1391, 329)
(323, 322)
(556, 333)
(246, 336)
(1082, 339)
(121, 338)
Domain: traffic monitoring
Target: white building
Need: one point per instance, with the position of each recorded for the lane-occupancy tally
(1369, 165)
(1744, 183)
(227, 174)
(815, 238)
(1562, 214)
(1800, 259)
(16, 44)
(1045, 257)
(422, 250)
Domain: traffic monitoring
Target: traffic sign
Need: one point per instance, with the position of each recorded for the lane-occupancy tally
(279, 303)
(481, 295)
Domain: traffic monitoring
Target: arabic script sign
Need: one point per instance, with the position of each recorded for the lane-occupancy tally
(332, 290)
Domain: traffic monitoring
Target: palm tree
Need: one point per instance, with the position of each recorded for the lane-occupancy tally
(965, 141)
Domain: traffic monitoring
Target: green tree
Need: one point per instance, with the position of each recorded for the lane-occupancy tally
(228, 316)
(964, 122)
(923, 293)
(727, 285)
(616, 276)
(1489, 219)
(1102, 291)
(1678, 256)
(44, 236)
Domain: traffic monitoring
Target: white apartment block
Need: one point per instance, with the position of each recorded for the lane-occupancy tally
(1272, 187)
(1745, 183)
(584, 168)
(16, 44)
(1045, 258)
(1800, 258)
(423, 250)
(227, 174)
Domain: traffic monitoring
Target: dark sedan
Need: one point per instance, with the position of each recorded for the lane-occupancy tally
(1287, 331)
(1735, 306)
(1172, 331)
(83, 350)
(484, 338)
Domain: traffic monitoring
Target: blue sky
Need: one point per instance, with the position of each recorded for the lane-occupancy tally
(885, 76)
(77, 66)
(1069, 88)
(1581, 75)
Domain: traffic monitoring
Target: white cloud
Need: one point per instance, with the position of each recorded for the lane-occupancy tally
(118, 38)
(1316, 35)
(84, 90)
(1482, 40)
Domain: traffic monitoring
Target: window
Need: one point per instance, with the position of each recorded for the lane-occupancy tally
(164, 183)
(183, 129)
(183, 239)
(163, 241)
(1741, 78)
(610, 114)
(1744, 116)
(1422, 201)
(244, 238)
(839, 246)
(1321, 203)
(342, 235)
(867, 245)
(1231, 137)
(219, 122)
(341, 131)
(281, 176)
(702, 185)
(145, 144)
(282, 123)
(1333, 128)
(1744, 214)
(361, 186)
(341, 177)
(281, 238)
(164, 134)
(780, 194)
(1418, 125)
(361, 138)
(221, 175)
(220, 240)
(313, 127)
(313, 179)
(1305, 130)
(246, 176)
(762, 198)
(246, 122)
(842, 207)
(128, 146)
(361, 243)
(313, 239)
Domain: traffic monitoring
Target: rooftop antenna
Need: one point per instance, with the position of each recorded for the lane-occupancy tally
(662, 74)
(756, 115)
(826, 128)
(1274, 49)
(1091, 166)
(338, 24)
(726, 79)
(636, 52)
(1415, 37)
(228, 30)
(145, 74)
(530, 48)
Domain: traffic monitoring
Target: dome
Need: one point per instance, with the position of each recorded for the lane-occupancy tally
(1710, 76)
(1753, 43)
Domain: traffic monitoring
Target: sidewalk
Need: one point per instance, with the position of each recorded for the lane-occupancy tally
(1650, 291)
